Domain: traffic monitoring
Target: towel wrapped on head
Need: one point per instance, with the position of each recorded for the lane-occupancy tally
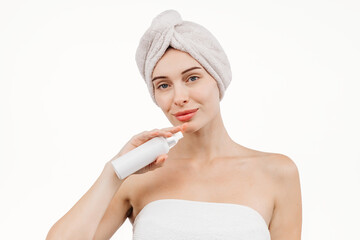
(168, 29)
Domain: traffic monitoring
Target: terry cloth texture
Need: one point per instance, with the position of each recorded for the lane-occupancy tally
(168, 29)
(178, 219)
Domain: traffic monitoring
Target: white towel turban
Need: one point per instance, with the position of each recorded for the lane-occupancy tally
(168, 29)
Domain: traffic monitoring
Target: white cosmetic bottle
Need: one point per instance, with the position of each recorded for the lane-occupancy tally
(143, 155)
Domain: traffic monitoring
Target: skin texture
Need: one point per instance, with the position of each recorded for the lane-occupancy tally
(207, 165)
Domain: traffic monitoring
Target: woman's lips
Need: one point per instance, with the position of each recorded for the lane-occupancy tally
(185, 117)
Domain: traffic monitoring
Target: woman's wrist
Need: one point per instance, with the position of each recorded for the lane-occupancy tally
(109, 170)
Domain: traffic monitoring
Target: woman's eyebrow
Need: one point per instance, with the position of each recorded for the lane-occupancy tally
(157, 78)
(190, 69)
(187, 70)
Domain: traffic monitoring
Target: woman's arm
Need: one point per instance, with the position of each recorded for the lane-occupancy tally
(101, 211)
(82, 220)
(287, 217)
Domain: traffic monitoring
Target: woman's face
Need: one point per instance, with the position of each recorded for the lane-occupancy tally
(181, 83)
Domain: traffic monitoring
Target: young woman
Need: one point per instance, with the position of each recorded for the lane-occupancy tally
(209, 187)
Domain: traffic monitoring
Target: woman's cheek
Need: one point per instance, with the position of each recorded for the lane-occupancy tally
(164, 101)
(203, 91)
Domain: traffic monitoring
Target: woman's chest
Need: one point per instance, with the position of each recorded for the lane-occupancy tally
(222, 183)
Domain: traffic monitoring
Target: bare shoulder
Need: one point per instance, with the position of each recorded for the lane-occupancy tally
(278, 169)
(278, 165)
(286, 221)
(281, 166)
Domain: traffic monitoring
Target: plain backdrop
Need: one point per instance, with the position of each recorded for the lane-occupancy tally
(71, 96)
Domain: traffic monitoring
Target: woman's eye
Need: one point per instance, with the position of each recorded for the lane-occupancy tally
(192, 78)
(161, 85)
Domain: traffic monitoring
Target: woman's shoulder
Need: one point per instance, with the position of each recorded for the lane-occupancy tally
(275, 159)
(278, 165)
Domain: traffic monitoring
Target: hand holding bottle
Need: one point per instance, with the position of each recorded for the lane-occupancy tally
(135, 158)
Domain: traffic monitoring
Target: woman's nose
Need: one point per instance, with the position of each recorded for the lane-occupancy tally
(181, 95)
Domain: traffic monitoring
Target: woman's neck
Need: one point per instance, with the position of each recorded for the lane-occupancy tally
(206, 144)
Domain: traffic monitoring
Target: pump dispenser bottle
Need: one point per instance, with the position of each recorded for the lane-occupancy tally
(143, 155)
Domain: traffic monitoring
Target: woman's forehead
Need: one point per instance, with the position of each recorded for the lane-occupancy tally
(174, 61)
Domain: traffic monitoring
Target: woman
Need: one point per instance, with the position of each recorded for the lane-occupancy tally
(210, 187)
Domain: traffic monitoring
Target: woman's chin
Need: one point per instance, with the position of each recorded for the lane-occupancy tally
(188, 127)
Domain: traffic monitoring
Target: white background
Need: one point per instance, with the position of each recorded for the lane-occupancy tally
(71, 96)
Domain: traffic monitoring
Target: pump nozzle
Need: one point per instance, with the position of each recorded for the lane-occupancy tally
(174, 139)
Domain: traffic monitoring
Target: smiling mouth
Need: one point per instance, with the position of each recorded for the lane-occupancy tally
(186, 117)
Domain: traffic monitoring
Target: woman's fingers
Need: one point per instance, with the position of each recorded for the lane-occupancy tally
(161, 159)
(175, 129)
(145, 136)
(165, 132)
(172, 130)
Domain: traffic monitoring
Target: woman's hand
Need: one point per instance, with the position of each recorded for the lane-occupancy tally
(145, 136)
